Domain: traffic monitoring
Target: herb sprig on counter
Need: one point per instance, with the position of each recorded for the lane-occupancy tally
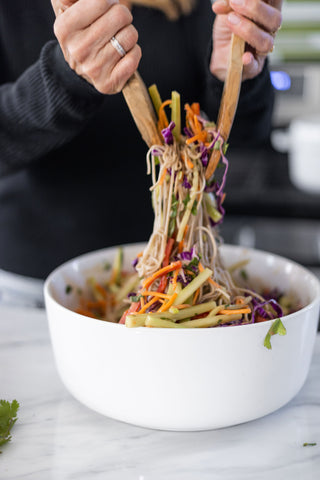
(8, 417)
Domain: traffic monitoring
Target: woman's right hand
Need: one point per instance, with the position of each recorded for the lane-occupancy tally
(84, 29)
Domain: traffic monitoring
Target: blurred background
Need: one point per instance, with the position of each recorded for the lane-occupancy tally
(273, 194)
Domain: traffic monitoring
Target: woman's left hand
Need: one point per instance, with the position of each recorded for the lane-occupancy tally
(256, 21)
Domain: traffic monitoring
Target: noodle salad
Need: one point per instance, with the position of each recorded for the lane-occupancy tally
(179, 279)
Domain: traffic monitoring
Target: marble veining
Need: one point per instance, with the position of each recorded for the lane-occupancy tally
(57, 438)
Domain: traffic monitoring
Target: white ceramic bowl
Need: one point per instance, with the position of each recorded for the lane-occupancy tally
(193, 379)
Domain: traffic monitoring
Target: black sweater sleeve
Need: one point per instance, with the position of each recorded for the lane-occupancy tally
(43, 109)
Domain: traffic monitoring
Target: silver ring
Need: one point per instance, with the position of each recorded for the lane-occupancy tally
(117, 46)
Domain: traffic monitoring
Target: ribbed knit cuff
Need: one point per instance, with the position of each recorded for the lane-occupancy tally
(69, 80)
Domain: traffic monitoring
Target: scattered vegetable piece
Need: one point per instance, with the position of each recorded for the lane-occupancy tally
(277, 327)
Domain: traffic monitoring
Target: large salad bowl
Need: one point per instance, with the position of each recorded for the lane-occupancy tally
(184, 379)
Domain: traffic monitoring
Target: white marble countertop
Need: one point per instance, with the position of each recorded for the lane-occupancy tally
(57, 438)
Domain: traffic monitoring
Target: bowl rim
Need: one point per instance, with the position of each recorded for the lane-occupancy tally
(186, 331)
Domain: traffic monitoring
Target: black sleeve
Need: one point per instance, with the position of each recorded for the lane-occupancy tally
(252, 123)
(47, 106)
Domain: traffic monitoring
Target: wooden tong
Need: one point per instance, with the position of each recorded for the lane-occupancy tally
(141, 108)
(230, 97)
(138, 100)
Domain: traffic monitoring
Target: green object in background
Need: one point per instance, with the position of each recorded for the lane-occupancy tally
(8, 417)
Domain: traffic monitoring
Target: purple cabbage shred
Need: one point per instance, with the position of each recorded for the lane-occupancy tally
(167, 133)
(185, 183)
(258, 308)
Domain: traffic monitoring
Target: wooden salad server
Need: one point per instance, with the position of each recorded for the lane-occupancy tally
(230, 97)
(140, 105)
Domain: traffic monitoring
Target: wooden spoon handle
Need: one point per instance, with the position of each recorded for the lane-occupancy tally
(230, 97)
(138, 100)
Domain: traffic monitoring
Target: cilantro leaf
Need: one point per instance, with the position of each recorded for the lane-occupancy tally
(306, 444)
(8, 417)
(193, 263)
(277, 327)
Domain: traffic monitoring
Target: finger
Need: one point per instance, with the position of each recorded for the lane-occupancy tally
(259, 39)
(263, 14)
(121, 73)
(97, 66)
(109, 56)
(94, 38)
(252, 66)
(221, 7)
(60, 6)
(85, 12)
(96, 34)
(127, 37)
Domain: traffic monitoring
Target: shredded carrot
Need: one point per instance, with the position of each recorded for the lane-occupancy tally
(215, 284)
(236, 311)
(165, 262)
(163, 283)
(162, 114)
(101, 290)
(167, 252)
(196, 295)
(201, 136)
(86, 313)
(163, 176)
(193, 139)
(142, 300)
(147, 305)
(189, 116)
(174, 279)
(168, 304)
(210, 280)
(96, 304)
(148, 293)
(197, 124)
(181, 246)
(239, 301)
(190, 272)
(189, 163)
(182, 306)
(195, 107)
(169, 268)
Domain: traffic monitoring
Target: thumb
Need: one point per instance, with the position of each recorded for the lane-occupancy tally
(60, 6)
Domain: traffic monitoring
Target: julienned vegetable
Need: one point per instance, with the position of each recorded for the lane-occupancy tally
(277, 327)
(180, 280)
